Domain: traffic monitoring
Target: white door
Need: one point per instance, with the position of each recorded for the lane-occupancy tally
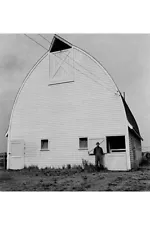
(92, 145)
(93, 141)
(16, 155)
(61, 67)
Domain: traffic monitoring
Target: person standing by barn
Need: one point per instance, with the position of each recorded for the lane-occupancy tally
(98, 152)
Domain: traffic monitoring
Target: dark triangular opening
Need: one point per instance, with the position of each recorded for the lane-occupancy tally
(59, 45)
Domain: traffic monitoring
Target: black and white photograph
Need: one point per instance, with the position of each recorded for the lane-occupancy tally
(74, 112)
(76, 118)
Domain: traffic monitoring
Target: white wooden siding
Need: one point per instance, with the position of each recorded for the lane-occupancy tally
(135, 150)
(64, 112)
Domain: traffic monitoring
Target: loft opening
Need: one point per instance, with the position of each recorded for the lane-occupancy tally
(59, 44)
(61, 61)
(115, 144)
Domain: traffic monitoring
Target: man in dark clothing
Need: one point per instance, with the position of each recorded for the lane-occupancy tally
(98, 152)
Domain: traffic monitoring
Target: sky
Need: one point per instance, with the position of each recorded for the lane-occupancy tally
(126, 57)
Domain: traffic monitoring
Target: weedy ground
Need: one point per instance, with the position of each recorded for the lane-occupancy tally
(77, 178)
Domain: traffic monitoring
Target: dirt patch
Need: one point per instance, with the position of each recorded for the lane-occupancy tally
(5, 176)
(74, 179)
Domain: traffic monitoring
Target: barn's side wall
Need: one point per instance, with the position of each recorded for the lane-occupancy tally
(135, 149)
(88, 107)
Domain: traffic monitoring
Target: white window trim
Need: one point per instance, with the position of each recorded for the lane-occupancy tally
(65, 50)
(87, 143)
(113, 151)
(45, 149)
(59, 82)
(117, 150)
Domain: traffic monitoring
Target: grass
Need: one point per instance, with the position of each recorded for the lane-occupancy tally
(75, 178)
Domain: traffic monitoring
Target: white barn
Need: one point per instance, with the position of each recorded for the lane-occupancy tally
(67, 103)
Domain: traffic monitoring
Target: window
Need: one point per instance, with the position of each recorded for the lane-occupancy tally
(116, 144)
(44, 144)
(83, 143)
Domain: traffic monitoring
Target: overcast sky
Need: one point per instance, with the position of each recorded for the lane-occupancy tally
(125, 56)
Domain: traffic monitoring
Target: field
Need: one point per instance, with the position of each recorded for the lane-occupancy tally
(75, 179)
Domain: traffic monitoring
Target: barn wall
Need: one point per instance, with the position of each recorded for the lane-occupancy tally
(135, 149)
(88, 107)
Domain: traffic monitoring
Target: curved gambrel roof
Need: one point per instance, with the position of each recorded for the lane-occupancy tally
(128, 112)
(23, 83)
(59, 44)
(131, 118)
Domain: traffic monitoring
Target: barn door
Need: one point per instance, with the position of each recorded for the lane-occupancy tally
(93, 141)
(16, 155)
(62, 67)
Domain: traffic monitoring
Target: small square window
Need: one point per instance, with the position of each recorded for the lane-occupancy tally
(83, 143)
(44, 144)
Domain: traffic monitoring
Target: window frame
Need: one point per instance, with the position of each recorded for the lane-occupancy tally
(44, 149)
(115, 150)
(86, 148)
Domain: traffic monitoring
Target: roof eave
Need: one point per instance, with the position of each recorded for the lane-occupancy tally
(131, 127)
